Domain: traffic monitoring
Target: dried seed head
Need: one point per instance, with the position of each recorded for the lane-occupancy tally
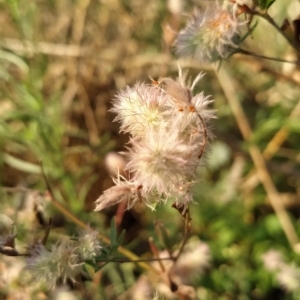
(167, 124)
(47, 267)
(161, 161)
(139, 108)
(210, 35)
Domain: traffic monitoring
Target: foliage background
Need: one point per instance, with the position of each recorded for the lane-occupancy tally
(62, 62)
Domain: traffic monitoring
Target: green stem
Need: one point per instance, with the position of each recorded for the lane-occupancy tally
(245, 52)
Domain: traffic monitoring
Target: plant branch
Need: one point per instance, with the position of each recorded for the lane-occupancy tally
(187, 230)
(245, 52)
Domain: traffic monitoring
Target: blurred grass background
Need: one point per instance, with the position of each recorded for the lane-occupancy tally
(61, 62)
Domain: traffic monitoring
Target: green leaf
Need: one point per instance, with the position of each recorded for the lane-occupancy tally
(21, 165)
(264, 4)
(14, 59)
(113, 232)
(166, 239)
(104, 253)
(113, 249)
(121, 237)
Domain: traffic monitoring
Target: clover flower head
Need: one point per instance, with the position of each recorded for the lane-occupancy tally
(88, 245)
(139, 108)
(161, 161)
(179, 93)
(167, 125)
(47, 267)
(210, 35)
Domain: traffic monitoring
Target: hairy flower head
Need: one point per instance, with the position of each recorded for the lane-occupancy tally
(195, 259)
(167, 125)
(139, 108)
(88, 244)
(161, 161)
(47, 267)
(210, 35)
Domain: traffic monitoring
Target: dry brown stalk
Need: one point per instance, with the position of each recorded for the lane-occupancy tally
(258, 159)
(273, 146)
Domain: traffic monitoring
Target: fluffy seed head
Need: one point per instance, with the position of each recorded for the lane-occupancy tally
(287, 275)
(210, 35)
(139, 108)
(169, 135)
(161, 161)
(47, 267)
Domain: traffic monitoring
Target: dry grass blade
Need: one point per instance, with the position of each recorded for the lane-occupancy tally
(252, 179)
(258, 160)
(28, 48)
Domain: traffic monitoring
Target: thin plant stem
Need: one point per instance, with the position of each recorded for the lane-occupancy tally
(270, 150)
(245, 52)
(205, 135)
(126, 260)
(156, 253)
(187, 231)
